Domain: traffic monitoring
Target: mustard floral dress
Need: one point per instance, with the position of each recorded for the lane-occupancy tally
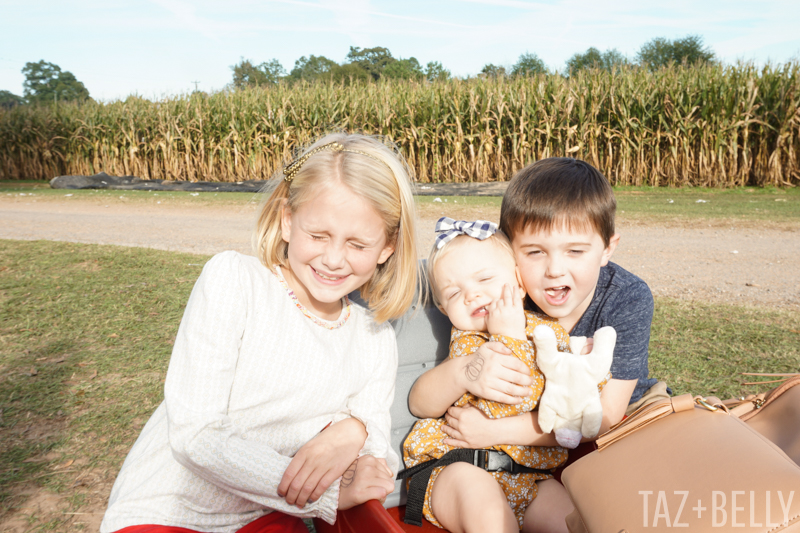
(425, 442)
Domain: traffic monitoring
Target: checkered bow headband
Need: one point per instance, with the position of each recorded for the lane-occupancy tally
(448, 229)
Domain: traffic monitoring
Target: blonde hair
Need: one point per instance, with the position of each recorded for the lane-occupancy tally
(372, 171)
(499, 239)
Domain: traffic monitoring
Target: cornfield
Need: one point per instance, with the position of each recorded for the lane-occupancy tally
(715, 126)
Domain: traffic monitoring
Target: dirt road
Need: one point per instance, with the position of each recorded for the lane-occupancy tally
(712, 263)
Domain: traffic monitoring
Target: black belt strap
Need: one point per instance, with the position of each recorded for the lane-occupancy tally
(489, 460)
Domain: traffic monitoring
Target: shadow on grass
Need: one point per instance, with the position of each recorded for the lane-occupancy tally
(85, 338)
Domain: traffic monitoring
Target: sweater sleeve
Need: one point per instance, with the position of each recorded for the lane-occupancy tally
(371, 405)
(202, 436)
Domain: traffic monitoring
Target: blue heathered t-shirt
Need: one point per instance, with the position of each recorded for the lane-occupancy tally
(623, 301)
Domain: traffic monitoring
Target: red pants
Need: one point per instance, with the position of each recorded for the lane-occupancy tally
(274, 522)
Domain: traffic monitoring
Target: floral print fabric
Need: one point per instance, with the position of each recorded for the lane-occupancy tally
(425, 442)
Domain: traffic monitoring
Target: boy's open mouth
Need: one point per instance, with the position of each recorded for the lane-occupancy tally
(557, 295)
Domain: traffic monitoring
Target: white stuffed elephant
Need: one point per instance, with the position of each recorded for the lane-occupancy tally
(570, 404)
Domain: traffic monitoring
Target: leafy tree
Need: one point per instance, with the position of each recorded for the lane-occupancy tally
(405, 69)
(595, 59)
(528, 65)
(660, 52)
(372, 60)
(493, 71)
(46, 82)
(312, 68)
(434, 71)
(9, 100)
(246, 74)
(350, 73)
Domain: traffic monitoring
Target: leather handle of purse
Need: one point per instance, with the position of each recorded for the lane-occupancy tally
(747, 406)
(649, 413)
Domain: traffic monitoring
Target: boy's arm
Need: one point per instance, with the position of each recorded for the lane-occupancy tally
(631, 318)
(470, 428)
(522, 350)
(615, 397)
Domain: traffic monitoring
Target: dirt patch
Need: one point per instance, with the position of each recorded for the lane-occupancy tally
(66, 492)
(38, 502)
(41, 508)
(718, 260)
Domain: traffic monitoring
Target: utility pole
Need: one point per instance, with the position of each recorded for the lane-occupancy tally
(195, 85)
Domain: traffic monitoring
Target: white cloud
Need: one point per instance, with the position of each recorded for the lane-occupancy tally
(186, 17)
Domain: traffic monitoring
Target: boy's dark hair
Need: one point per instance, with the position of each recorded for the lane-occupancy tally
(555, 191)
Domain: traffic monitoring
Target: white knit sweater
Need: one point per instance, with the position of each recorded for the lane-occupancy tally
(251, 379)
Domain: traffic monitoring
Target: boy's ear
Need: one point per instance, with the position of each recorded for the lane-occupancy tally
(519, 281)
(609, 251)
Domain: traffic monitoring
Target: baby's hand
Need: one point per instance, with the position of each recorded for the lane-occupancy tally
(507, 315)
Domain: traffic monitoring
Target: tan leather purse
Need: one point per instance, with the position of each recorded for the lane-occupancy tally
(775, 414)
(684, 463)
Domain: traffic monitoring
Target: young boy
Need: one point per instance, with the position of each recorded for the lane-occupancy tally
(559, 215)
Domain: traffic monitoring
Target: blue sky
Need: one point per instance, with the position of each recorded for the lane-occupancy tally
(159, 48)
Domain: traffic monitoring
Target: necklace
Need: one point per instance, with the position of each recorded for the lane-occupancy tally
(327, 324)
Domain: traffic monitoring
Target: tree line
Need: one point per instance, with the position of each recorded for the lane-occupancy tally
(365, 64)
(47, 83)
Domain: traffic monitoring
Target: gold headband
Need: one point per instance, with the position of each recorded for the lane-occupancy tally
(291, 170)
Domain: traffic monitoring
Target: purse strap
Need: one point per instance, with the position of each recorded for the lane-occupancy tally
(652, 412)
(747, 406)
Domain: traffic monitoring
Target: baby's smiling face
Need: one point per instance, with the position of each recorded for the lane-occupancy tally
(469, 276)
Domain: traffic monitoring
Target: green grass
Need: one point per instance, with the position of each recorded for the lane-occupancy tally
(654, 204)
(703, 348)
(85, 338)
(86, 334)
(749, 203)
(41, 191)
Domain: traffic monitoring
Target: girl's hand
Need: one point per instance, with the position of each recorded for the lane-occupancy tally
(494, 374)
(367, 478)
(468, 427)
(507, 314)
(321, 461)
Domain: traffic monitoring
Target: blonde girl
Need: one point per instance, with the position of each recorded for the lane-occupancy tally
(276, 401)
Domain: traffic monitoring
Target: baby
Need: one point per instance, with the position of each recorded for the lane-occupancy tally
(475, 282)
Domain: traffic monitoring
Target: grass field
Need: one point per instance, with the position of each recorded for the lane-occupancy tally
(656, 204)
(761, 206)
(86, 333)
